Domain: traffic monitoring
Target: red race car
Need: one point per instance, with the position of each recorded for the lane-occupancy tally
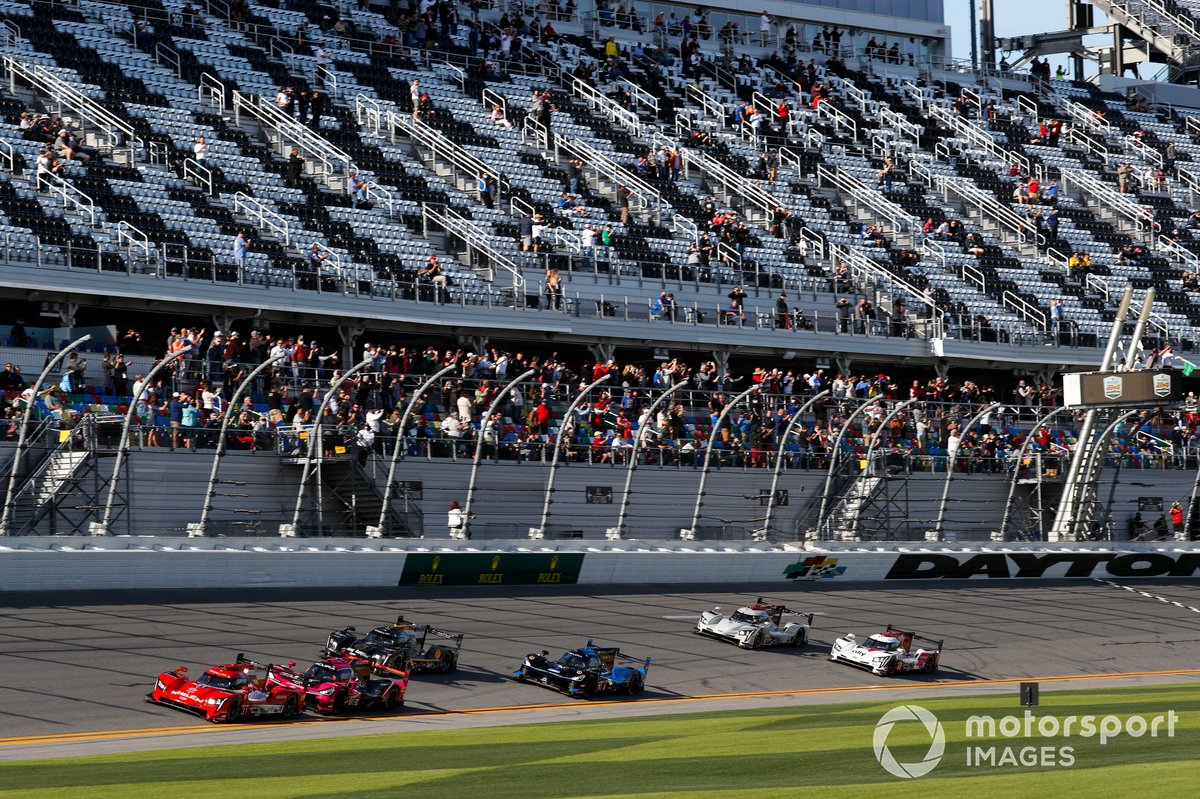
(337, 684)
(233, 691)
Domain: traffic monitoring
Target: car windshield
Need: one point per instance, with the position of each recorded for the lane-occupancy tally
(224, 683)
(886, 644)
(748, 618)
(385, 638)
(573, 660)
(319, 671)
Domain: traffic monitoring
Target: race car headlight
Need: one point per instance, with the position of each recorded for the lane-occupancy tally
(324, 691)
(160, 685)
(214, 701)
(881, 658)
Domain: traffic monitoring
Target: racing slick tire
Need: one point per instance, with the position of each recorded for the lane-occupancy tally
(889, 669)
(445, 662)
(757, 641)
(291, 708)
(635, 686)
(233, 711)
(522, 676)
(392, 700)
(801, 639)
(931, 666)
(339, 702)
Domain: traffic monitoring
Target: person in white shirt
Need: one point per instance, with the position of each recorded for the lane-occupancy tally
(201, 150)
(764, 27)
(456, 520)
(499, 118)
(451, 426)
(324, 56)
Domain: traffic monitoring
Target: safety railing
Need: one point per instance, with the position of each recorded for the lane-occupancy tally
(869, 199)
(442, 148)
(865, 274)
(681, 224)
(368, 112)
(1088, 142)
(614, 112)
(328, 162)
(978, 137)
(134, 240)
(641, 97)
(1191, 179)
(1087, 118)
(987, 206)
(1105, 196)
(114, 134)
(1147, 153)
(168, 58)
(265, 218)
(1026, 310)
(643, 195)
(212, 91)
(733, 183)
(477, 242)
(897, 122)
(453, 72)
(201, 175)
(1182, 254)
(838, 117)
(71, 196)
(8, 156)
(712, 108)
(532, 129)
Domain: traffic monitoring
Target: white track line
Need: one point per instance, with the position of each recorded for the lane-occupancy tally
(1148, 595)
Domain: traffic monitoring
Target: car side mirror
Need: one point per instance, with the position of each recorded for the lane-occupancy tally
(291, 664)
(181, 669)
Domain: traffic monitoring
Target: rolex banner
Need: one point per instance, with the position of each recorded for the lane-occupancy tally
(495, 568)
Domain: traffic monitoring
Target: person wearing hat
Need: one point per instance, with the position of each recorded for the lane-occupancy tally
(843, 315)
(71, 148)
(783, 314)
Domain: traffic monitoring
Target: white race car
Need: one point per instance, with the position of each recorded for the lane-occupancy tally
(889, 652)
(755, 626)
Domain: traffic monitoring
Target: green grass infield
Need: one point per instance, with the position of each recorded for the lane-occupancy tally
(809, 751)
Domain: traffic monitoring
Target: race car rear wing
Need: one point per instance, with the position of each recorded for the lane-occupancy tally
(610, 655)
(937, 644)
(782, 609)
(457, 638)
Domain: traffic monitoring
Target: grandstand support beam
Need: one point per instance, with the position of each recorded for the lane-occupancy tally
(291, 530)
(103, 528)
(987, 33)
(1012, 484)
(1140, 329)
(618, 532)
(603, 351)
(350, 335)
(843, 364)
(200, 530)
(941, 367)
(66, 314)
(721, 358)
(377, 531)
(1064, 518)
(835, 450)
(19, 453)
(787, 432)
(882, 426)
(568, 418)
(941, 517)
(690, 532)
(479, 439)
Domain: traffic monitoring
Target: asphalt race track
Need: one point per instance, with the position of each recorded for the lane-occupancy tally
(75, 664)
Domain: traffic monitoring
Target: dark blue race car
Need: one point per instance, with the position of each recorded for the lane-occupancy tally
(586, 671)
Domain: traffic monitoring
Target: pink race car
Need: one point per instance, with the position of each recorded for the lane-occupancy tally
(338, 684)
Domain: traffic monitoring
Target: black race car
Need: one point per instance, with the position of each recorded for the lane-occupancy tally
(393, 648)
(586, 671)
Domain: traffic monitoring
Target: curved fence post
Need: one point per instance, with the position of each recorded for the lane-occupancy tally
(102, 528)
(1012, 485)
(690, 533)
(290, 530)
(201, 529)
(883, 423)
(479, 441)
(766, 528)
(616, 533)
(22, 433)
(835, 450)
(377, 531)
(941, 517)
(540, 530)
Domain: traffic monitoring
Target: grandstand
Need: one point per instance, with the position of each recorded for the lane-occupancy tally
(392, 189)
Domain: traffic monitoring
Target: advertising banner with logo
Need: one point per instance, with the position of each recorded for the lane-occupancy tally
(497, 568)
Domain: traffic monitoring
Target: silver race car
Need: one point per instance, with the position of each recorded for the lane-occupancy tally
(755, 626)
(889, 652)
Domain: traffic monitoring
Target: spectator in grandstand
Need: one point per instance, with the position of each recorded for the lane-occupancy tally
(358, 190)
(783, 314)
(241, 249)
(303, 105)
(1125, 178)
(499, 119)
(568, 205)
(48, 165)
(295, 168)
(324, 62)
(316, 257)
(433, 273)
(487, 189)
(554, 290)
(316, 102)
(843, 315)
(200, 150)
(70, 148)
(623, 195)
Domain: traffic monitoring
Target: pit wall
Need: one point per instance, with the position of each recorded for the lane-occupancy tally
(45, 564)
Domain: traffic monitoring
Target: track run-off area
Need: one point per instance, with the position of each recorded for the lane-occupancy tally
(75, 668)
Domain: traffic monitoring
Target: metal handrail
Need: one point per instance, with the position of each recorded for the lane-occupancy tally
(733, 182)
(643, 194)
(201, 174)
(70, 195)
(874, 200)
(130, 235)
(476, 238)
(615, 112)
(288, 128)
(839, 117)
(266, 218)
(988, 205)
(979, 137)
(1141, 216)
(641, 96)
(213, 90)
(442, 146)
(711, 106)
(1088, 142)
(1030, 312)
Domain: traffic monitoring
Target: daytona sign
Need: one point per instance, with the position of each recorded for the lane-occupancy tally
(1010, 565)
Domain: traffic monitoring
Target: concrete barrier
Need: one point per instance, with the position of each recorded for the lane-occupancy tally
(81, 564)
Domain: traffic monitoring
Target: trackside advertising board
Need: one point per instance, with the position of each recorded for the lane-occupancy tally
(855, 566)
(496, 568)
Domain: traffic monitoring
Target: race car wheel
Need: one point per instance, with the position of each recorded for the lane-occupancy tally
(339, 702)
(522, 676)
(801, 639)
(291, 707)
(233, 711)
(635, 686)
(392, 700)
(889, 668)
(757, 641)
(444, 663)
(930, 666)
(453, 663)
